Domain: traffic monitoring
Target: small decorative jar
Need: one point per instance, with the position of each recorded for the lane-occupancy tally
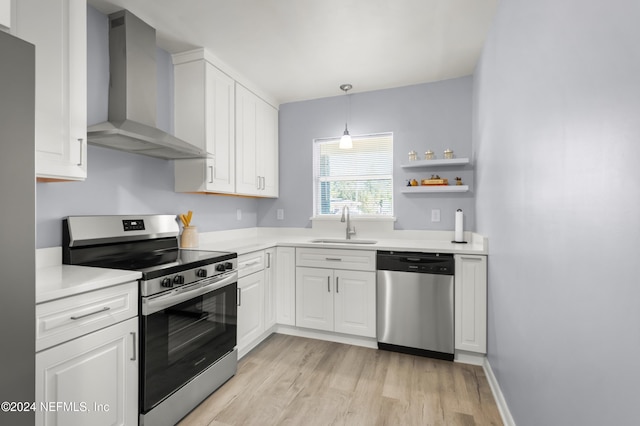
(429, 155)
(448, 154)
(189, 238)
(413, 156)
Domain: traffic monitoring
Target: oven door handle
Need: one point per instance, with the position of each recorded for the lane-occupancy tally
(154, 304)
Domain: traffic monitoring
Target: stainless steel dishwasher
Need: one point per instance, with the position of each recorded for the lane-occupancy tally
(415, 303)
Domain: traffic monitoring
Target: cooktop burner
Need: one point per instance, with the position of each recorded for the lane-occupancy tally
(150, 245)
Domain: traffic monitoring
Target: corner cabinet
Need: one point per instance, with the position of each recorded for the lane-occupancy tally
(285, 285)
(471, 303)
(58, 29)
(256, 145)
(205, 117)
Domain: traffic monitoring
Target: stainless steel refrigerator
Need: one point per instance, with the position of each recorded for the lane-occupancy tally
(17, 227)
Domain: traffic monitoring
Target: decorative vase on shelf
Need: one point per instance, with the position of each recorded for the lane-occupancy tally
(189, 238)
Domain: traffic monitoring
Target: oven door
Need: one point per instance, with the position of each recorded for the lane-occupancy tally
(183, 332)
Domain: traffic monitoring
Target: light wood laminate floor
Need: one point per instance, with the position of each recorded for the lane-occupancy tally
(291, 380)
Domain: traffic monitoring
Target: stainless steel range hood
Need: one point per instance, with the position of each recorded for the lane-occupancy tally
(132, 95)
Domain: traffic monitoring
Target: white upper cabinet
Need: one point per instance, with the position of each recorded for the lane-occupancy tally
(256, 145)
(205, 117)
(58, 29)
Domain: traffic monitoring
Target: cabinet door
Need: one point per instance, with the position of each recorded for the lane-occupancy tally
(247, 181)
(267, 147)
(471, 303)
(58, 29)
(95, 375)
(271, 261)
(286, 285)
(250, 308)
(220, 129)
(314, 298)
(355, 303)
(204, 116)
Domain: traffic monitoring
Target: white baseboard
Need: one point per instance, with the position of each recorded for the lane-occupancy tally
(507, 419)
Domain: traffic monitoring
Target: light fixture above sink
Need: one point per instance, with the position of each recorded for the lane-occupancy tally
(341, 241)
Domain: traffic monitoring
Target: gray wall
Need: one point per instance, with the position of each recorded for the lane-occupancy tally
(432, 116)
(124, 183)
(556, 131)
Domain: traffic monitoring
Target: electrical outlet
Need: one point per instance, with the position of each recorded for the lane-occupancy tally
(280, 214)
(238, 214)
(435, 215)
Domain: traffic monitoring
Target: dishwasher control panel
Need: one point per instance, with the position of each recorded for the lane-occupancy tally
(422, 263)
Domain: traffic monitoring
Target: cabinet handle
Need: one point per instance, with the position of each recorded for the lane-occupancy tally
(211, 175)
(263, 183)
(80, 140)
(106, 308)
(268, 260)
(133, 335)
(239, 296)
(258, 183)
(333, 259)
(329, 284)
(337, 284)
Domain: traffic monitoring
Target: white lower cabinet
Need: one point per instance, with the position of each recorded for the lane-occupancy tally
(91, 380)
(471, 303)
(336, 300)
(251, 299)
(285, 285)
(270, 278)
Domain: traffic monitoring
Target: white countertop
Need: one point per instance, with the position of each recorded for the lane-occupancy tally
(245, 241)
(55, 281)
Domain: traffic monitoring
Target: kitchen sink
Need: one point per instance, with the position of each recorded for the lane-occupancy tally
(342, 241)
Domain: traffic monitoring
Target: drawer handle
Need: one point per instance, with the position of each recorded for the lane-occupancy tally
(329, 284)
(106, 308)
(133, 335)
(333, 259)
(255, 262)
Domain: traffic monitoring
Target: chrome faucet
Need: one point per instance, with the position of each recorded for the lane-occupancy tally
(350, 231)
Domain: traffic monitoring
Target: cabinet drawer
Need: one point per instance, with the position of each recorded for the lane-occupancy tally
(356, 260)
(65, 319)
(250, 262)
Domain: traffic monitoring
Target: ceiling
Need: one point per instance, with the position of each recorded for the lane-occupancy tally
(304, 49)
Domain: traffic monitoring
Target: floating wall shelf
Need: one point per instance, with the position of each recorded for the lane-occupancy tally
(435, 163)
(434, 189)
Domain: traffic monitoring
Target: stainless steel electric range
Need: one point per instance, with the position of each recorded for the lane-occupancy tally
(188, 306)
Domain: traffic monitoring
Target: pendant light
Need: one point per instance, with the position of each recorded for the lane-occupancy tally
(345, 140)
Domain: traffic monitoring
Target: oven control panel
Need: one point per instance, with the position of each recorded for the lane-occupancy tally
(189, 276)
(133, 224)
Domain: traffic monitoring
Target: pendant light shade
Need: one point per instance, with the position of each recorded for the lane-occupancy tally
(345, 140)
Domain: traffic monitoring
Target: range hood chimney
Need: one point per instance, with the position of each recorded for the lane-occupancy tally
(132, 95)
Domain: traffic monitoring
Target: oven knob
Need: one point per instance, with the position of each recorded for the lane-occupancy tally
(166, 282)
(178, 279)
(228, 265)
(220, 267)
(201, 273)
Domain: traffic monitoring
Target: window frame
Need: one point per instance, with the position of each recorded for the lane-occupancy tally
(316, 177)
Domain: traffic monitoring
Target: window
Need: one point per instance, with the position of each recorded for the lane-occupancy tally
(360, 178)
